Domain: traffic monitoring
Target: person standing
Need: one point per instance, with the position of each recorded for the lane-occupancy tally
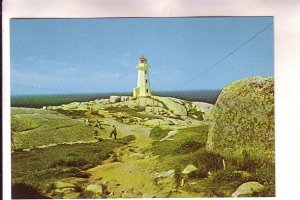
(114, 132)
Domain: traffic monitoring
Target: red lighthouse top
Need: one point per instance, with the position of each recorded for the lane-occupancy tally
(143, 59)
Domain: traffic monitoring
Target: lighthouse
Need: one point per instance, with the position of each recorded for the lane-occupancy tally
(143, 83)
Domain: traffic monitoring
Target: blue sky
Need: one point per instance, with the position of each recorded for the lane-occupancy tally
(100, 55)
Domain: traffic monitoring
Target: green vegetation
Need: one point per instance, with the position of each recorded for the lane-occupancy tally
(43, 154)
(24, 191)
(185, 141)
(133, 112)
(198, 114)
(41, 166)
(74, 114)
(36, 127)
(158, 133)
(188, 147)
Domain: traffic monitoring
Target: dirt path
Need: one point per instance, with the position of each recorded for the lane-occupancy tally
(129, 172)
(132, 176)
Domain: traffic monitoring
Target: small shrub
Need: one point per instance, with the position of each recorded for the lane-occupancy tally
(189, 146)
(76, 172)
(199, 114)
(86, 195)
(199, 174)
(209, 161)
(74, 162)
(177, 176)
(115, 158)
(158, 133)
(226, 176)
(50, 188)
(128, 138)
(25, 191)
(75, 114)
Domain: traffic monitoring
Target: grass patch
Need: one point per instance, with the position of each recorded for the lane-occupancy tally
(134, 112)
(45, 165)
(36, 127)
(185, 141)
(158, 133)
(75, 114)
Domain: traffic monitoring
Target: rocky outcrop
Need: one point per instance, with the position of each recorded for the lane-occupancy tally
(148, 102)
(176, 106)
(170, 134)
(96, 189)
(61, 185)
(126, 98)
(242, 120)
(114, 99)
(149, 111)
(202, 106)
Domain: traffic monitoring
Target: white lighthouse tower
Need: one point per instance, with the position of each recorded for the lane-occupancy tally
(143, 83)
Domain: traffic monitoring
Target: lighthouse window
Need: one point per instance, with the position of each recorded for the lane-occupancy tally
(147, 90)
(145, 72)
(146, 80)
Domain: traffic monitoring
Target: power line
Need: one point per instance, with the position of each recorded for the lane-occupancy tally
(226, 56)
(41, 88)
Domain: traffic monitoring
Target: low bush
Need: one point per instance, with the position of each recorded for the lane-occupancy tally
(209, 161)
(185, 141)
(177, 176)
(73, 113)
(199, 174)
(189, 146)
(74, 162)
(227, 176)
(25, 191)
(199, 114)
(76, 172)
(158, 133)
(44, 165)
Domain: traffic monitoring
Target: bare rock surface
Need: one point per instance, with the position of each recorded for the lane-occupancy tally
(248, 189)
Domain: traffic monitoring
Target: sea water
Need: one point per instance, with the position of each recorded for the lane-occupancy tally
(38, 101)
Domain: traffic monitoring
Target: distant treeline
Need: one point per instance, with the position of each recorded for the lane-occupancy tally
(38, 101)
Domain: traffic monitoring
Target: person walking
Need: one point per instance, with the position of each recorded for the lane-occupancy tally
(98, 125)
(114, 132)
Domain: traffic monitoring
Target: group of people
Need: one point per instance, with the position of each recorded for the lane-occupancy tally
(98, 133)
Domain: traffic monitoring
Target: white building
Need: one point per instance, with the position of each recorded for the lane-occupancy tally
(143, 83)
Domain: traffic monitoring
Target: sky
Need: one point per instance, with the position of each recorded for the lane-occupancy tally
(57, 56)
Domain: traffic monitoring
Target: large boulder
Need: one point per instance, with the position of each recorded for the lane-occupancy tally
(96, 189)
(173, 104)
(242, 120)
(126, 98)
(114, 99)
(248, 189)
(144, 101)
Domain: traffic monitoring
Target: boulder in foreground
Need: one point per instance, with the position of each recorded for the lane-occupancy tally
(242, 120)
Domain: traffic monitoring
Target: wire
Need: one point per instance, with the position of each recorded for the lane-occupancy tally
(226, 56)
(41, 88)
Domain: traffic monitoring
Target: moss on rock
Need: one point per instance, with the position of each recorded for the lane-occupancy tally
(242, 120)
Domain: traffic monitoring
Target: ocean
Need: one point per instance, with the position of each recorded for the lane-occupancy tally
(38, 101)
